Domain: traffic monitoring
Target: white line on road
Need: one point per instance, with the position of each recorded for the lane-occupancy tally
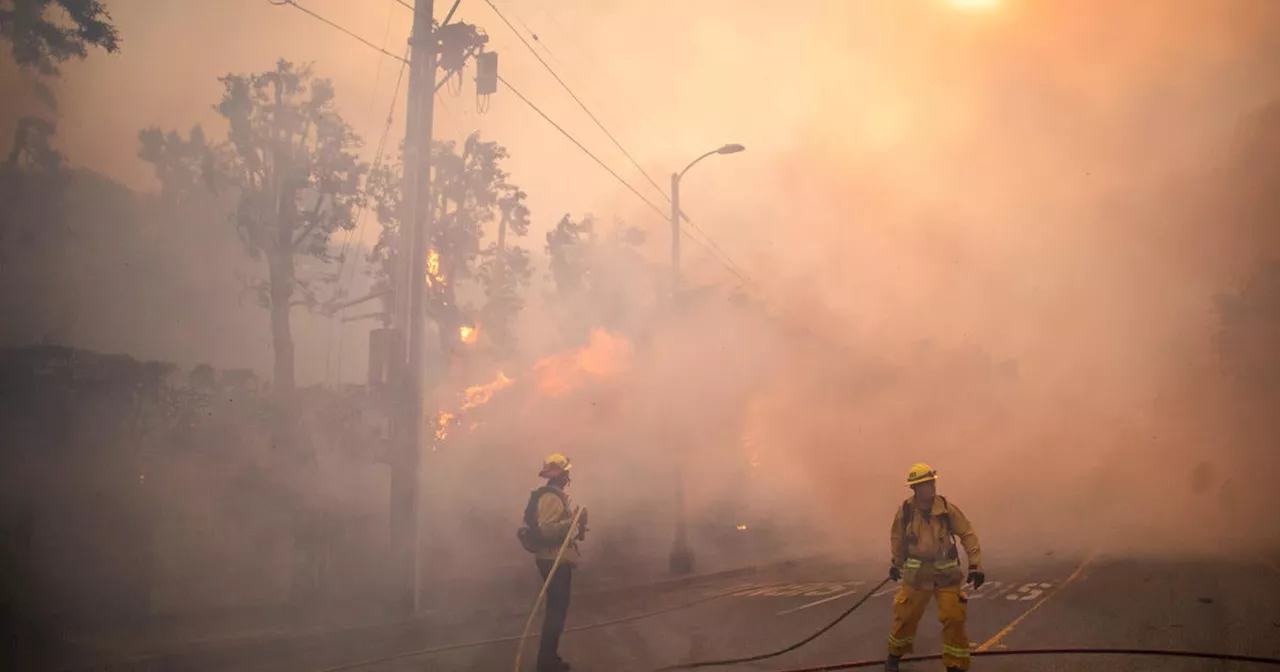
(822, 601)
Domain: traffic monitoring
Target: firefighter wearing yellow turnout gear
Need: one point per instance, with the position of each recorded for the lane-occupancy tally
(926, 560)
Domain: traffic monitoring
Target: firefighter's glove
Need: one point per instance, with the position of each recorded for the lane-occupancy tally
(977, 578)
(895, 574)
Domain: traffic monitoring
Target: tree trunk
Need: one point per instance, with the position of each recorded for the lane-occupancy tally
(281, 278)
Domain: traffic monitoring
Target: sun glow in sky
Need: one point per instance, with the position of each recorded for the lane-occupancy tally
(974, 4)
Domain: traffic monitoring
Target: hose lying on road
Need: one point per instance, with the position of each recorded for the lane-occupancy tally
(1166, 653)
(511, 638)
(779, 652)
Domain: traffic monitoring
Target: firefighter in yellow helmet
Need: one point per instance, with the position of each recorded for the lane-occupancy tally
(548, 519)
(922, 542)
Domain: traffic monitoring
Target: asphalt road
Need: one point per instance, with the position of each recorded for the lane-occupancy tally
(1219, 606)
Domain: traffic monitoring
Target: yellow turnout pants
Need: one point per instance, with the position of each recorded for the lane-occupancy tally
(908, 608)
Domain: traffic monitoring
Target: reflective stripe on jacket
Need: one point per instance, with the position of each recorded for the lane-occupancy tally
(927, 543)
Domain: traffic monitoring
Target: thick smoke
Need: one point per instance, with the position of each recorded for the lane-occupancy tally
(987, 241)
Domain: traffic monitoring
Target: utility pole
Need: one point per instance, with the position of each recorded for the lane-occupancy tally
(680, 561)
(433, 48)
(410, 304)
(675, 237)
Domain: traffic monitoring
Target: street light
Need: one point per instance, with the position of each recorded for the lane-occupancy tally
(681, 558)
(675, 211)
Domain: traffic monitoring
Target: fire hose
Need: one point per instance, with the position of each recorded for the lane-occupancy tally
(513, 638)
(542, 594)
(779, 652)
(1166, 653)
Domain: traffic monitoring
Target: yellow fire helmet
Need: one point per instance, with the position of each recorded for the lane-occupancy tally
(920, 473)
(555, 465)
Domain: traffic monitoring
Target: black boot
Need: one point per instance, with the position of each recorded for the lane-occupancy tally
(891, 663)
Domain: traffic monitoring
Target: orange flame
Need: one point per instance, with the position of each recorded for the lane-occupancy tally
(604, 355)
(442, 425)
(477, 395)
(468, 334)
(433, 269)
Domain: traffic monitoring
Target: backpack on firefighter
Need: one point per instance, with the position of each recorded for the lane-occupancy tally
(530, 534)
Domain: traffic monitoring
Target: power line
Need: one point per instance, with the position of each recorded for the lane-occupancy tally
(357, 231)
(377, 162)
(576, 99)
(541, 43)
(377, 79)
(722, 256)
(709, 244)
(580, 146)
(367, 43)
(360, 214)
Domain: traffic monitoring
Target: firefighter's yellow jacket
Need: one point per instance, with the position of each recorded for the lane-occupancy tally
(554, 517)
(925, 547)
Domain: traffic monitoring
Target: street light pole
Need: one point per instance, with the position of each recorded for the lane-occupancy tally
(681, 559)
(675, 234)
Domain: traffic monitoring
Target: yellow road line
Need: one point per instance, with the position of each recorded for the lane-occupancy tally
(1009, 628)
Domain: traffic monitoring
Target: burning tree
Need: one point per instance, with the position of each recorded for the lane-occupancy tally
(473, 200)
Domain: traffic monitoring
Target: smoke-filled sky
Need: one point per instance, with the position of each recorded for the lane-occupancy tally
(1006, 178)
(928, 170)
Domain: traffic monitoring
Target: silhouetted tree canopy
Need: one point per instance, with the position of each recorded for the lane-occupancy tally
(474, 199)
(290, 161)
(569, 249)
(45, 33)
(600, 280)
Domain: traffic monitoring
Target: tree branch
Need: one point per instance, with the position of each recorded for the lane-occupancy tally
(315, 221)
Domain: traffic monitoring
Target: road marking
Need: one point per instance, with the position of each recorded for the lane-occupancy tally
(813, 589)
(822, 601)
(741, 588)
(1009, 628)
(1029, 591)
